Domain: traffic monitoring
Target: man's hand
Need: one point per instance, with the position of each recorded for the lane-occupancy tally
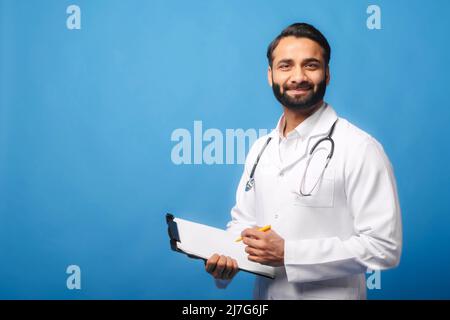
(264, 247)
(222, 267)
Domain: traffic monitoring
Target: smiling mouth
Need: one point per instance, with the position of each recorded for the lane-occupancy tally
(299, 90)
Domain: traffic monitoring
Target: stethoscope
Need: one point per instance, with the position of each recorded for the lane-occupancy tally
(251, 181)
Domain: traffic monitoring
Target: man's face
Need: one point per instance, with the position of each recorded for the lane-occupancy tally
(298, 75)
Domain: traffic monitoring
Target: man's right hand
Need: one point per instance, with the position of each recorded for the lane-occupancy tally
(221, 267)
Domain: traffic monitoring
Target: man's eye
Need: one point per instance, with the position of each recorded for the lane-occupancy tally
(284, 66)
(312, 66)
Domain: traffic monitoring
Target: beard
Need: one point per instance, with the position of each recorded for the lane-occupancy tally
(304, 102)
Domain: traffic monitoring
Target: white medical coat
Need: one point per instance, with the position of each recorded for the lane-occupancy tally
(351, 222)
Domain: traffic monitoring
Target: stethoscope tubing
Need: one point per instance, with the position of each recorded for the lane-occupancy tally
(251, 181)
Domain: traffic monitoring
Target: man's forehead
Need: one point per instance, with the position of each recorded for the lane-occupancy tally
(294, 48)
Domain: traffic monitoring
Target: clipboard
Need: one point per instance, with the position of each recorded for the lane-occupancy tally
(201, 241)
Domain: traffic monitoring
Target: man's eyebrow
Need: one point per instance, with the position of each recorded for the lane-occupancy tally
(308, 60)
(288, 61)
(291, 61)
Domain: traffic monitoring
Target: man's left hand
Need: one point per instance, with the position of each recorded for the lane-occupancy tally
(264, 247)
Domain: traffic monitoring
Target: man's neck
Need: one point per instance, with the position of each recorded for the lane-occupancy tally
(294, 117)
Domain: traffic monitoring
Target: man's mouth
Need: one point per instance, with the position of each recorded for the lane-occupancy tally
(301, 90)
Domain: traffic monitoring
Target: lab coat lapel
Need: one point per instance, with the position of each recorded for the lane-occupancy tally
(320, 130)
(273, 149)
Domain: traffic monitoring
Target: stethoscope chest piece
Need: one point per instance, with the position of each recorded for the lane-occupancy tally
(251, 181)
(250, 184)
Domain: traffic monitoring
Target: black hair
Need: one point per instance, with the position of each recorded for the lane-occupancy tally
(301, 30)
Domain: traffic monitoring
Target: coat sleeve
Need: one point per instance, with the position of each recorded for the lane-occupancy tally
(373, 203)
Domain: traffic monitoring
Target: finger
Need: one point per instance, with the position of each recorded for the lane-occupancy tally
(211, 263)
(220, 267)
(255, 259)
(254, 252)
(235, 269)
(258, 244)
(251, 233)
(228, 269)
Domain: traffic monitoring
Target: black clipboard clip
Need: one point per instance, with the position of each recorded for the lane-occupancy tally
(174, 236)
(172, 229)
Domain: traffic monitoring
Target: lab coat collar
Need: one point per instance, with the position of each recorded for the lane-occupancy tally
(326, 120)
(303, 130)
(326, 116)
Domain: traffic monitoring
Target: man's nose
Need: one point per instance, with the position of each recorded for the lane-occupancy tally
(297, 75)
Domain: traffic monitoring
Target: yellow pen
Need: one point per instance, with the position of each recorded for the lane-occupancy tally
(263, 229)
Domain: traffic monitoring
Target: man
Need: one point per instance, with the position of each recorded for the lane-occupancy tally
(332, 218)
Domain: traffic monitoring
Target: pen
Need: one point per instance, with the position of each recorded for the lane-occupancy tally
(263, 229)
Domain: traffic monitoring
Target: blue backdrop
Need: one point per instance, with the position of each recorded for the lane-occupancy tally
(87, 117)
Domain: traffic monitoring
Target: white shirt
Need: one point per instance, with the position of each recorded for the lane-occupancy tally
(290, 144)
(351, 221)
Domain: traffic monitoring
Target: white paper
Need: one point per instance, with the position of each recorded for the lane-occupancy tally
(203, 241)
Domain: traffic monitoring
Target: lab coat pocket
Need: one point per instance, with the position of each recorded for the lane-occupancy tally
(322, 195)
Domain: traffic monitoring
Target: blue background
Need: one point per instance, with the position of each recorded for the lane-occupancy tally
(86, 118)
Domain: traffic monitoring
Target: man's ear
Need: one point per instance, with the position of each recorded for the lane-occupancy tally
(327, 75)
(269, 76)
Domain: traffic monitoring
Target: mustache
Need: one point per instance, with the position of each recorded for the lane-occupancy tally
(302, 85)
